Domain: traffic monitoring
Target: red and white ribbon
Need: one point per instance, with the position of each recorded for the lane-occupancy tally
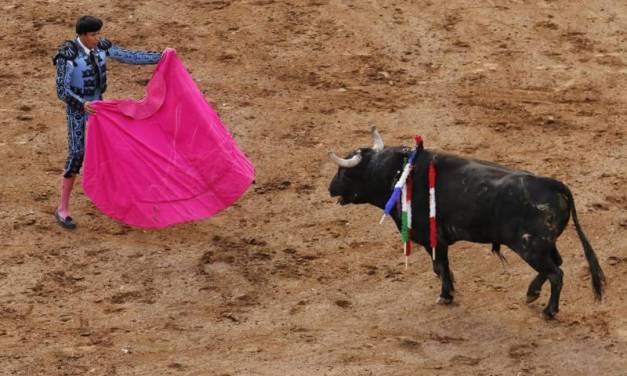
(433, 239)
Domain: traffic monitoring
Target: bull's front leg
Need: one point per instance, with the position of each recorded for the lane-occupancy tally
(442, 267)
(429, 251)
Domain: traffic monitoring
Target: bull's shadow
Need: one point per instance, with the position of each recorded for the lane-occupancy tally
(477, 201)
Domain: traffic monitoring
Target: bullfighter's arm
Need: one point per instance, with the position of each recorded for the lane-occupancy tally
(64, 77)
(127, 56)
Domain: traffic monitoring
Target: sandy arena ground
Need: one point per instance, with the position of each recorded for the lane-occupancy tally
(286, 282)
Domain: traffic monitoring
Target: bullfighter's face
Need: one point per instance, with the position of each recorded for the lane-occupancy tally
(91, 39)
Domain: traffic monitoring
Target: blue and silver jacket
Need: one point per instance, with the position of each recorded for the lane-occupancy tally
(81, 78)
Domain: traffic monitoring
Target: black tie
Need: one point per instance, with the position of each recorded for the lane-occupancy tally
(94, 62)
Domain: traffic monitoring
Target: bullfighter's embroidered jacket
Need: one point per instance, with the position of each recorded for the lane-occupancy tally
(82, 76)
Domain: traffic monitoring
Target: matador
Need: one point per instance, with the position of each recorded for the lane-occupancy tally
(82, 78)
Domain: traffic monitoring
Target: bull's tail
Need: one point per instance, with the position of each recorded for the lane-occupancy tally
(598, 278)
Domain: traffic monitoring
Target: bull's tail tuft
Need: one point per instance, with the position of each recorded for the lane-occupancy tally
(598, 278)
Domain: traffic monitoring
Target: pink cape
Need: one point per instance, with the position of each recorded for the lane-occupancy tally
(165, 159)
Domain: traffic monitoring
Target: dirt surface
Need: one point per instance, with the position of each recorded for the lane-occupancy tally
(286, 282)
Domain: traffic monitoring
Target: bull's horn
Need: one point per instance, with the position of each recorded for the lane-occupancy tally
(378, 141)
(346, 163)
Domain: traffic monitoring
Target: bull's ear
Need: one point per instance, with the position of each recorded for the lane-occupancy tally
(377, 140)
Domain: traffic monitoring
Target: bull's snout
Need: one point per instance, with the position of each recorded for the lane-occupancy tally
(335, 190)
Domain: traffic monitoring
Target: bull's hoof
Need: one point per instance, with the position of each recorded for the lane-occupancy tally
(549, 313)
(532, 297)
(444, 301)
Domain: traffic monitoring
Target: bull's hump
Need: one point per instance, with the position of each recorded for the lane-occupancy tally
(459, 162)
(490, 171)
(480, 164)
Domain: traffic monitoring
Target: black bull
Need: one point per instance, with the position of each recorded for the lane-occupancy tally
(477, 201)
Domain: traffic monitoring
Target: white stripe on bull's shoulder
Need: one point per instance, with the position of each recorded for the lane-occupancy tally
(404, 197)
(432, 202)
(408, 218)
(401, 181)
(404, 209)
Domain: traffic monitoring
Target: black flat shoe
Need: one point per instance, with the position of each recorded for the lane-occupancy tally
(66, 222)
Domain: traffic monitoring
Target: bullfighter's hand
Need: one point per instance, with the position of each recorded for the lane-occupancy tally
(89, 109)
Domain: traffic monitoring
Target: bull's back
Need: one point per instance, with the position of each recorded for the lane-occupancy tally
(485, 202)
(466, 192)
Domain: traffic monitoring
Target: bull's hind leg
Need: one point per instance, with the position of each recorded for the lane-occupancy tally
(533, 292)
(545, 261)
(556, 279)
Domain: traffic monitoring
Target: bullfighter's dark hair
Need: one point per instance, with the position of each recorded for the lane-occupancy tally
(88, 24)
